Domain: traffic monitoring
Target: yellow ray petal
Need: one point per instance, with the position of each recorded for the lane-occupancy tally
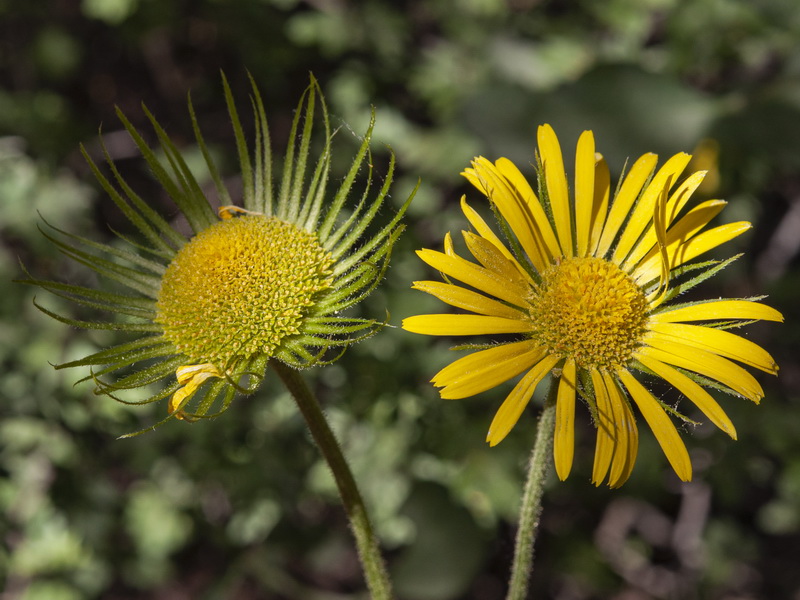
(445, 324)
(674, 204)
(519, 182)
(556, 178)
(719, 309)
(460, 297)
(642, 215)
(190, 377)
(564, 438)
(584, 191)
(700, 397)
(485, 369)
(660, 423)
(602, 189)
(624, 200)
(720, 342)
(627, 446)
(682, 252)
(705, 363)
(604, 423)
(483, 229)
(517, 400)
(515, 210)
(477, 276)
(490, 257)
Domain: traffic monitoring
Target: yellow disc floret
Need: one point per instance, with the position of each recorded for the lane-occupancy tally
(590, 310)
(239, 287)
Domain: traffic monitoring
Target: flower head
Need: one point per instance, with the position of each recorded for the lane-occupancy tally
(253, 283)
(584, 283)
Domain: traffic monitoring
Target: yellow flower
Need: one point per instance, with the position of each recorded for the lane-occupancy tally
(584, 284)
(266, 281)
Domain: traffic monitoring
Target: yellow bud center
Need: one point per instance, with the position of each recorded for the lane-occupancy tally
(239, 287)
(589, 310)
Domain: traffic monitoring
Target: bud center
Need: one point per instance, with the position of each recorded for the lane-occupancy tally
(239, 287)
(589, 310)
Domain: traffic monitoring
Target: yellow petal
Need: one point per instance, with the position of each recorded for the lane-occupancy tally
(444, 324)
(719, 309)
(660, 423)
(626, 434)
(701, 398)
(477, 276)
(604, 423)
(485, 369)
(491, 258)
(556, 178)
(519, 182)
(483, 229)
(643, 212)
(602, 189)
(564, 438)
(191, 377)
(460, 297)
(584, 190)
(720, 342)
(517, 400)
(623, 201)
(705, 363)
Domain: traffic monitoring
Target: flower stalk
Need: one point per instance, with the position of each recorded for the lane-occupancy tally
(531, 507)
(372, 563)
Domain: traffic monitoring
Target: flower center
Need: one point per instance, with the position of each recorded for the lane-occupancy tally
(589, 310)
(239, 287)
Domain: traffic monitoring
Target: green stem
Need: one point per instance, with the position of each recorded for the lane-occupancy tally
(372, 564)
(532, 500)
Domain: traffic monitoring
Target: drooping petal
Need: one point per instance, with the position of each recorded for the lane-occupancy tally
(483, 229)
(627, 445)
(517, 400)
(485, 369)
(663, 428)
(604, 423)
(556, 178)
(490, 257)
(564, 438)
(700, 397)
(444, 324)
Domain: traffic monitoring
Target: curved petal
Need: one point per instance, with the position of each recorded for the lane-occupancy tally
(701, 398)
(517, 400)
(444, 324)
(485, 369)
(627, 446)
(663, 428)
(602, 190)
(486, 253)
(604, 423)
(564, 437)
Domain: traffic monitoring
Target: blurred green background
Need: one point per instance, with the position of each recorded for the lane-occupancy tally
(241, 507)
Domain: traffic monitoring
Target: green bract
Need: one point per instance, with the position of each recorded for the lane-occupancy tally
(265, 281)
